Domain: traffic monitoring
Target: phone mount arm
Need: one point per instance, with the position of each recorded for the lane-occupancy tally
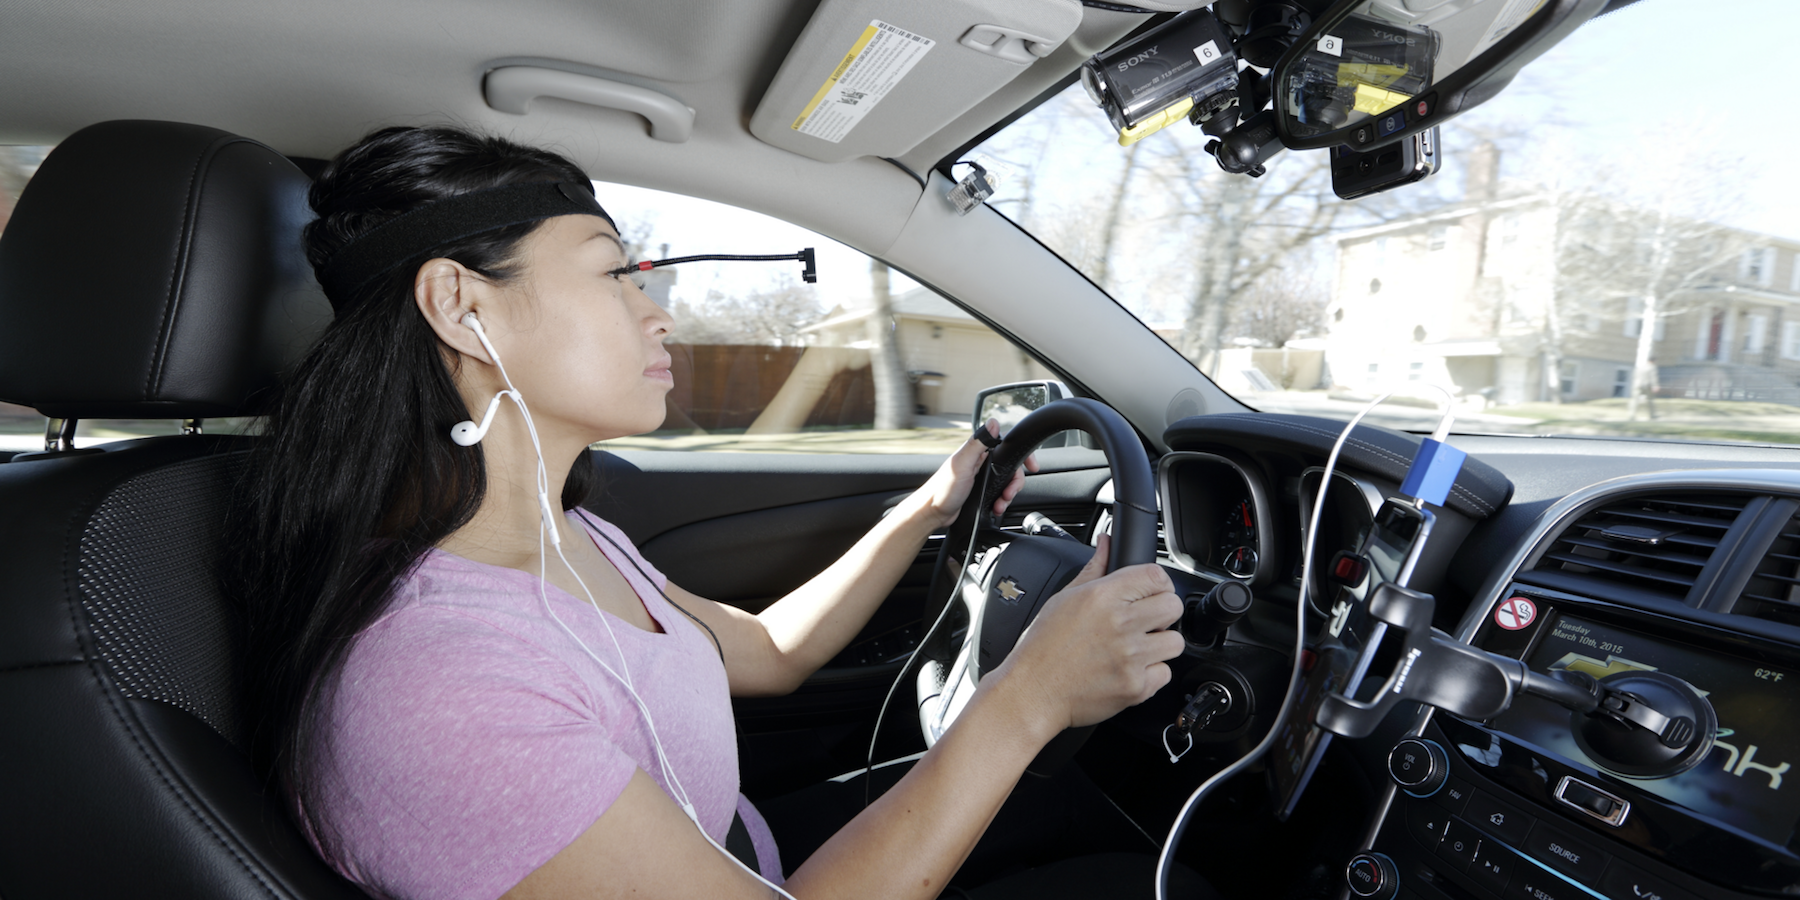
(1635, 722)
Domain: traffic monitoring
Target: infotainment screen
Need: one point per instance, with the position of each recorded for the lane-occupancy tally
(1748, 781)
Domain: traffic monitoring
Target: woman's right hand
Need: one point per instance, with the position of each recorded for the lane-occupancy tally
(1099, 645)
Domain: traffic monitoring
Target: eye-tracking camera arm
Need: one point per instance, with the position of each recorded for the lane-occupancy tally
(809, 271)
(1646, 724)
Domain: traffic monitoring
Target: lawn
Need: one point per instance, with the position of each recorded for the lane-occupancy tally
(1700, 420)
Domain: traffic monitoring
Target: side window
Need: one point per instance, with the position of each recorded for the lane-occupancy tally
(21, 428)
(864, 361)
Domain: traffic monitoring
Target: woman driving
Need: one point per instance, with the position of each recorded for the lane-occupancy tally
(468, 685)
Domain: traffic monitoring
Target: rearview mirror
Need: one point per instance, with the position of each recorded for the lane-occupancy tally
(1370, 72)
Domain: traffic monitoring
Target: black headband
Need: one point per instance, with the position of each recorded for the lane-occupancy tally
(413, 234)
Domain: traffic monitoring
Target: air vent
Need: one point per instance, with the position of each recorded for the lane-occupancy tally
(1773, 591)
(1654, 544)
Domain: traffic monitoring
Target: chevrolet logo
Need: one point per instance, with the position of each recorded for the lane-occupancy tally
(1009, 590)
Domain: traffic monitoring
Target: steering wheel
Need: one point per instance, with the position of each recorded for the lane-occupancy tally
(1000, 586)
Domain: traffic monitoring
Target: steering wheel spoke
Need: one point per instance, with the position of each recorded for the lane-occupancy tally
(1007, 577)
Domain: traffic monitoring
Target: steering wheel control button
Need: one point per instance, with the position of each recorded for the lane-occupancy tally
(1565, 854)
(1372, 876)
(1600, 804)
(1454, 795)
(1635, 884)
(1460, 844)
(1426, 822)
(1493, 866)
(1499, 818)
(1419, 767)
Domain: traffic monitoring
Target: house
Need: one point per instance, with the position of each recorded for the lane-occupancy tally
(950, 354)
(1541, 296)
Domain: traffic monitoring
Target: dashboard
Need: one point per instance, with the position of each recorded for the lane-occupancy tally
(1595, 556)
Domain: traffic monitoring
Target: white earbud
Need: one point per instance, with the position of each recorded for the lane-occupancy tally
(467, 434)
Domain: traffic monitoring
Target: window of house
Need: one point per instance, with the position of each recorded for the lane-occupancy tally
(1569, 374)
(1509, 228)
(764, 362)
(1587, 315)
(1621, 381)
(1794, 273)
(1758, 266)
(1437, 237)
(1415, 371)
(1756, 332)
(1790, 340)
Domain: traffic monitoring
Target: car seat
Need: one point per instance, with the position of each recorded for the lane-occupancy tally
(151, 270)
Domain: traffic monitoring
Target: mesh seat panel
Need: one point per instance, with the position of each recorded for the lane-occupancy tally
(160, 621)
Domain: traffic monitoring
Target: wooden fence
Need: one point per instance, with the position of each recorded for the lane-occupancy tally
(726, 386)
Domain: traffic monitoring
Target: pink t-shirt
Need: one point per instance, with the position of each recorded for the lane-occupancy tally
(472, 738)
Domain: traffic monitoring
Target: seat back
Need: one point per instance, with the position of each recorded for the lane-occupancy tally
(150, 270)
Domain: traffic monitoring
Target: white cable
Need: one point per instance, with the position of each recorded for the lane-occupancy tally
(1287, 700)
(547, 520)
(949, 601)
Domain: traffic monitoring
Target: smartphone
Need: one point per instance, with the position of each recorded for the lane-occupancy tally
(1343, 654)
(1358, 174)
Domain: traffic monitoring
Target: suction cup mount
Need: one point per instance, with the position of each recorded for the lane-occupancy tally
(1634, 724)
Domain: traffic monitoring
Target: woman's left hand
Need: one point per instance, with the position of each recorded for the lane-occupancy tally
(938, 500)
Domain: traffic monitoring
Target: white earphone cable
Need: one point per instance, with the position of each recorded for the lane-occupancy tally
(547, 519)
(1287, 702)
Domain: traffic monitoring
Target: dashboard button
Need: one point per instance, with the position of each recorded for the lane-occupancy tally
(1460, 843)
(1418, 766)
(1498, 818)
(1533, 883)
(1559, 851)
(1591, 800)
(1493, 866)
(1454, 795)
(1426, 822)
(1372, 876)
(1632, 883)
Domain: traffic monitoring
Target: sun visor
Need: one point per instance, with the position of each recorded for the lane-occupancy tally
(874, 78)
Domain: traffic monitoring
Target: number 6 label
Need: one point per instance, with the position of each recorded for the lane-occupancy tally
(1331, 45)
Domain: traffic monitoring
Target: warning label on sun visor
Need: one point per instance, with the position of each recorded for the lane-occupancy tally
(875, 64)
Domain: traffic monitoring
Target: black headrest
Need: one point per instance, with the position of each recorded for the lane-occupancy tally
(154, 270)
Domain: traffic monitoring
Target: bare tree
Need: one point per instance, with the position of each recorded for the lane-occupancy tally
(773, 316)
(1611, 254)
(1240, 230)
(1279, 308)
(1115, 211)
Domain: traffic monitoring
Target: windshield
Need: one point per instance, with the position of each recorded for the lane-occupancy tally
(1608, 248)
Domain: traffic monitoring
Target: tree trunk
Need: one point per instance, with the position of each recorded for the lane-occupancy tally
(1643, 371)
(893, 390)
(1115, 210)
(1217, 254)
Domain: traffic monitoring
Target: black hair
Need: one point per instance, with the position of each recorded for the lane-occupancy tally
(356, 477)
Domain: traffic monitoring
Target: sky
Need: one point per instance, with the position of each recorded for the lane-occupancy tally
(1697, 80)
(1646, 97)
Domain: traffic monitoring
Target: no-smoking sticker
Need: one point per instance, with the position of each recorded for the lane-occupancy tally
(1515, 613)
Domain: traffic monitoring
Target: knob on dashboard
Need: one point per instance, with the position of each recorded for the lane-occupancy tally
(1418, 766)
(1372, 876)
